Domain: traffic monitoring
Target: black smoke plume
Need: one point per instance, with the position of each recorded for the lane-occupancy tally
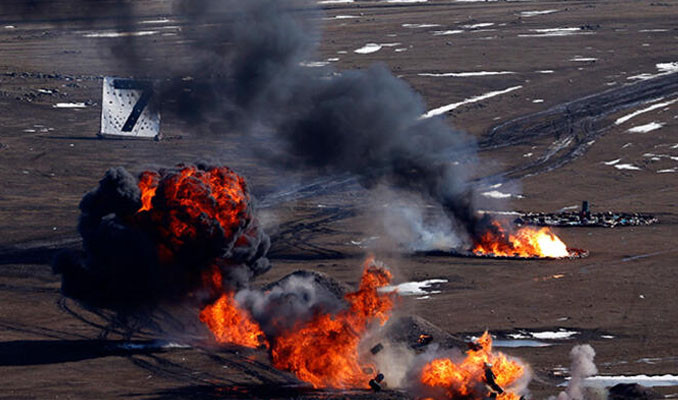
(137, 256)
(241, 64)
(365, 122)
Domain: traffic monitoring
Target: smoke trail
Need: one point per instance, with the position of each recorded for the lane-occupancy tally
(581, 367)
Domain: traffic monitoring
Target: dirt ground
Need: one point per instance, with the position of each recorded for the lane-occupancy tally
(572, 90)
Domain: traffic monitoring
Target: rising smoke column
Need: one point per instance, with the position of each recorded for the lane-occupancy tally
(240, 65)
(581, 367)
(152, 240)
(364, 122)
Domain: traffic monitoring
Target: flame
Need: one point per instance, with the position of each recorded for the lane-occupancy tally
(324, 351)
(468, 378)
(148, 184)
(226, 320)
(231, 324)
(524, 242)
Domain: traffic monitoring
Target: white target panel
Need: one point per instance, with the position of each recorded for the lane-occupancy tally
(126, 111)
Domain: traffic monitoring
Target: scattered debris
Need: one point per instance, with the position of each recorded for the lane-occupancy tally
(627, 391)
(375, 383)
(424, 339)
(490, 380)
(585, 217)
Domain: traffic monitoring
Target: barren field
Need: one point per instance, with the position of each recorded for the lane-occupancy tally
(576, 102)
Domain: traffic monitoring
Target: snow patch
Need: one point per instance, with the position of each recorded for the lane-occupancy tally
(495, 194)
(554, 335)
(629, 167)
(663, 68)
(414, 288)
(368, 48)
(449, 32)
(653, 107)
(119, 34)
(314, 64)
(646, 128)
(467, 74)
(420, 25)
(528, 14)
(478, 25)
(555, 32)
(583, 59)
(450, 107)
(341, 17)
(70, 105)
(645, 380)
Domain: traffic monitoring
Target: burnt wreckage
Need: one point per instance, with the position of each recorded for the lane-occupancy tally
(585, 217)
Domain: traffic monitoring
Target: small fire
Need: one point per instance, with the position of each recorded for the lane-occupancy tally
(482, 374)
(524, 242)
(148, 184)
(324, 351)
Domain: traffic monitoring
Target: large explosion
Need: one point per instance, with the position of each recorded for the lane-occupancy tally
(188, 234)
(151, 240)
(481, 374)
(322, 350)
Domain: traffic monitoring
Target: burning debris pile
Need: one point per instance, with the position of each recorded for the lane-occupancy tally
(152, 240)
(524, 242)
(504, 240)
(585, 217)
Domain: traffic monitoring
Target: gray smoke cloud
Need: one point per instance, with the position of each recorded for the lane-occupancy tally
(581, 367)
(411, 221)
(293, 300)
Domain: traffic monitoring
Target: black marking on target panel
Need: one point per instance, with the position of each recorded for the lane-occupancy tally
(146, 94)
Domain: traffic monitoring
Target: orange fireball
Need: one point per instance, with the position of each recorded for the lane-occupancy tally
(524, 242)
(193, 196)
(324, 351)
(469, 378)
